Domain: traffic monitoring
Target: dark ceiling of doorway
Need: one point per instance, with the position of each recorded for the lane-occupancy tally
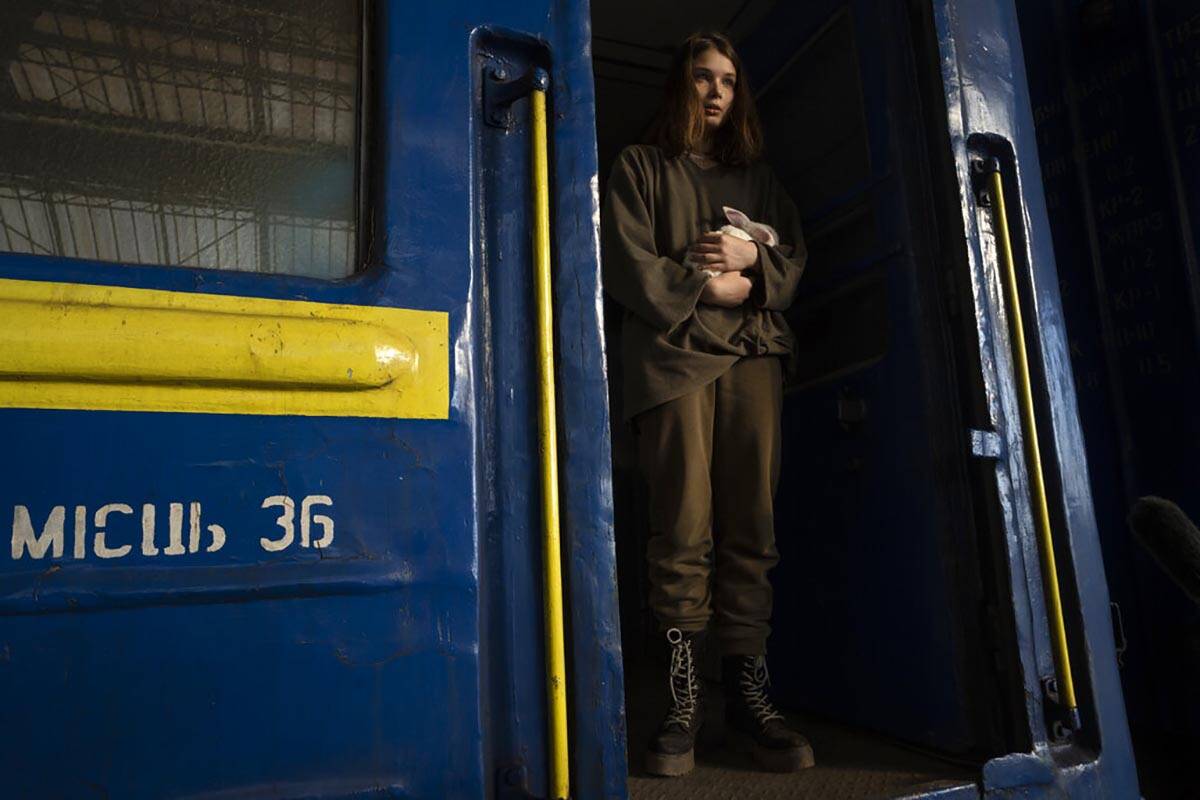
(632, 42)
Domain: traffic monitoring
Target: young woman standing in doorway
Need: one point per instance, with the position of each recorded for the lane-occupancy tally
(703, 346)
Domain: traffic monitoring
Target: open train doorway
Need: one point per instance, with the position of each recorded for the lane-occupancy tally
(888, 645)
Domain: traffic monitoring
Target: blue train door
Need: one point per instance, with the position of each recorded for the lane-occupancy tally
(874, 503)
(910, 595)
(1118, 119)
(227, 484)
(270, 494)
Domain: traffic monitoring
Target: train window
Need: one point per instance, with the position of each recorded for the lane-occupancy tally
(197, 133)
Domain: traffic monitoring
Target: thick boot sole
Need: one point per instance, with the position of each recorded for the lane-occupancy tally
(791, 760)
(670, 766)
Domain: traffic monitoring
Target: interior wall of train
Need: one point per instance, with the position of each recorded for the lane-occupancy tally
(889, 616)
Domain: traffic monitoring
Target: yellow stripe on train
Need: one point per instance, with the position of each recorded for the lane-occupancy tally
(77, 346)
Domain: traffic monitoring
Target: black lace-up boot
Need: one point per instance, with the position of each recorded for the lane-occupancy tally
(753, 725)
(671, 751)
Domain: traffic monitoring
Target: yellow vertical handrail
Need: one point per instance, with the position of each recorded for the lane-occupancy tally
(1033, 456)
(556, 673)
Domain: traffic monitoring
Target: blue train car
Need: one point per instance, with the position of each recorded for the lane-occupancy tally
(269, 395)
(1117, 110)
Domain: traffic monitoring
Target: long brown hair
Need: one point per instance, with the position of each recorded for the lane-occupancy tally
(679, 126)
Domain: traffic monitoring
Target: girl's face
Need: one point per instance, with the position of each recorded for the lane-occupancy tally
(716, 82)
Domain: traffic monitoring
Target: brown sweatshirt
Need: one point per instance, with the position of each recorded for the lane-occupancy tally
(655, 209)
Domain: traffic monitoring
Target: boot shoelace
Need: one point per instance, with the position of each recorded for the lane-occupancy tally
(754, 681)
(682, 680)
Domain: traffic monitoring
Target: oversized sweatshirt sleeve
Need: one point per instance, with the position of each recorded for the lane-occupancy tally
(780, 266)
(657, 289)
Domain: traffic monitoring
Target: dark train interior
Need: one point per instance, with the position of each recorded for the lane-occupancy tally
(886, 532)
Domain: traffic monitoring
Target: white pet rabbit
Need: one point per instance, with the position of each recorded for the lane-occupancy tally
(742, 227)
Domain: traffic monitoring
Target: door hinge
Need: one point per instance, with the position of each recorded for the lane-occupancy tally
(501, 90)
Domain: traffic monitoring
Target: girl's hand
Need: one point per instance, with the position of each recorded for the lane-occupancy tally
(723, 252)
(729, 289)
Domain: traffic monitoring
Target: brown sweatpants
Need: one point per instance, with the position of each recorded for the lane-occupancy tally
(711, 462)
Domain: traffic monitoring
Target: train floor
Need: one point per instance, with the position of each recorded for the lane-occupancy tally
(851, 764)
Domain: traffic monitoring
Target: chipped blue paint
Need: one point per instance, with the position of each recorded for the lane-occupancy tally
(1114, 101)
(403, 661)
(986, 94)
(1017, 770)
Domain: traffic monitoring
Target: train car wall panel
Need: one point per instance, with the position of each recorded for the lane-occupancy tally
(1114, 104)
(501, 164)
(312, 621)
(988, 101)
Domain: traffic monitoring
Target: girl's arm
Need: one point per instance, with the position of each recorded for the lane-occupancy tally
(660, 291)
(780, 267)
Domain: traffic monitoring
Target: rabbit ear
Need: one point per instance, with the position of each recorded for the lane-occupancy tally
(763, 233)
(759, 232)
(737, 218)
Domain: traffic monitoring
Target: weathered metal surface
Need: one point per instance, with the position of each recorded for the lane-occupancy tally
(989, 106)
(390, 660)
(1117, 113)
(1017, 770)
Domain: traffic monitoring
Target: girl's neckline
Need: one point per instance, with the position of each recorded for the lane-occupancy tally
(692, 159)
